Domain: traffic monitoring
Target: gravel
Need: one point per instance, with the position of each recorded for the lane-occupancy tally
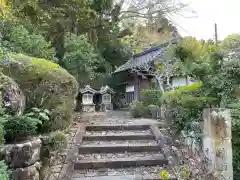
(116, 132)
(97, 156)
(153, 171)
(150, 142)
(113, 121)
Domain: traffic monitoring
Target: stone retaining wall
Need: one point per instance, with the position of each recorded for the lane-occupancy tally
(23, 159)
(26, 159)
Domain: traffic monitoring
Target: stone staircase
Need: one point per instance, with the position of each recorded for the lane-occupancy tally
(119, 152)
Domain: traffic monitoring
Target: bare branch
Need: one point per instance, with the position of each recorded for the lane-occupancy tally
(146, 8)
(130, 13)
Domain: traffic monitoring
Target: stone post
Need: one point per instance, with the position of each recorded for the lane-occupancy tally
(217, 142)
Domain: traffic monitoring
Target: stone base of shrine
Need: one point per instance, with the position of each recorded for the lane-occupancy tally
(108, 107)
(89, 108)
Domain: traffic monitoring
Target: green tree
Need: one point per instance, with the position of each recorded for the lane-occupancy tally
(55, 18)
(81, 59)
(142, 37)
(231, 42)
(17, 38)
(100, 20)
(20, 40)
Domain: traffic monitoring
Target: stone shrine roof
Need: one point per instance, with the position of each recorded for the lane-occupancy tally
(88, 89)
(103, 90)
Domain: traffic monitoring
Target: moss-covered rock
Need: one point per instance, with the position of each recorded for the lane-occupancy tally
(11, 95)
(45, 85)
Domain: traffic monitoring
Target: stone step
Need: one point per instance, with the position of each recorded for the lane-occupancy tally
(120, 162)
(118, 136)
(118, 127)
(150, 142)
(97, 156)
(115, 148)
(124, 177)
(143, 172)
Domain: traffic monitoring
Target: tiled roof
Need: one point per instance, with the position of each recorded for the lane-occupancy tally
(145, 56)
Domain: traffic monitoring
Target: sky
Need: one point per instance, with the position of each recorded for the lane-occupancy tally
(225, 13)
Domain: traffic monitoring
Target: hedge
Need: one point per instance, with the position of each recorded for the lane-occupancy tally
(45, 84)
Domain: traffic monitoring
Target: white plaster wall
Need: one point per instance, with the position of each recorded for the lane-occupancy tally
(179, 81)
(87, 99)
(129, 88)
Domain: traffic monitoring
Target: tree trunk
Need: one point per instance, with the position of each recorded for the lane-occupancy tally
(187, 80)
(168, 82)
(160, 85)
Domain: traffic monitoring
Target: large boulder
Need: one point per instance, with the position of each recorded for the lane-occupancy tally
(45, 84)
(12, 96)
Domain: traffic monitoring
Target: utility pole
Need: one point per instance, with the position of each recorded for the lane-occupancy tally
(216, 34)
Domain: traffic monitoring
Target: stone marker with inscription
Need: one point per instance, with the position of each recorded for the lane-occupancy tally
(217, 142)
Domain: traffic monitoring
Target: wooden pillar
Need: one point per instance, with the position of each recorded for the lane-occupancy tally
(136, 87)
(217, 143)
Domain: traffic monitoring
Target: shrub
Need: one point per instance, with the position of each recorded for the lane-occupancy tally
(236, 149)
(4, 173)
(137, 109)
(2, 140)
(43, 115)
(151, 97)
(185, 105)
(20, 128)
(190, 97)
(2, 119)
(58, 141)
(45, 85)
(235, 113)
(174, 95)
(164, 175)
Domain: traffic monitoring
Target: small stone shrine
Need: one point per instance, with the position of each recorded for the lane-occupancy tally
(93, 100)
(87, 99)
(106, 93)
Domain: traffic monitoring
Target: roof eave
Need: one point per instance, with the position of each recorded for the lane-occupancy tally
(159, 47)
